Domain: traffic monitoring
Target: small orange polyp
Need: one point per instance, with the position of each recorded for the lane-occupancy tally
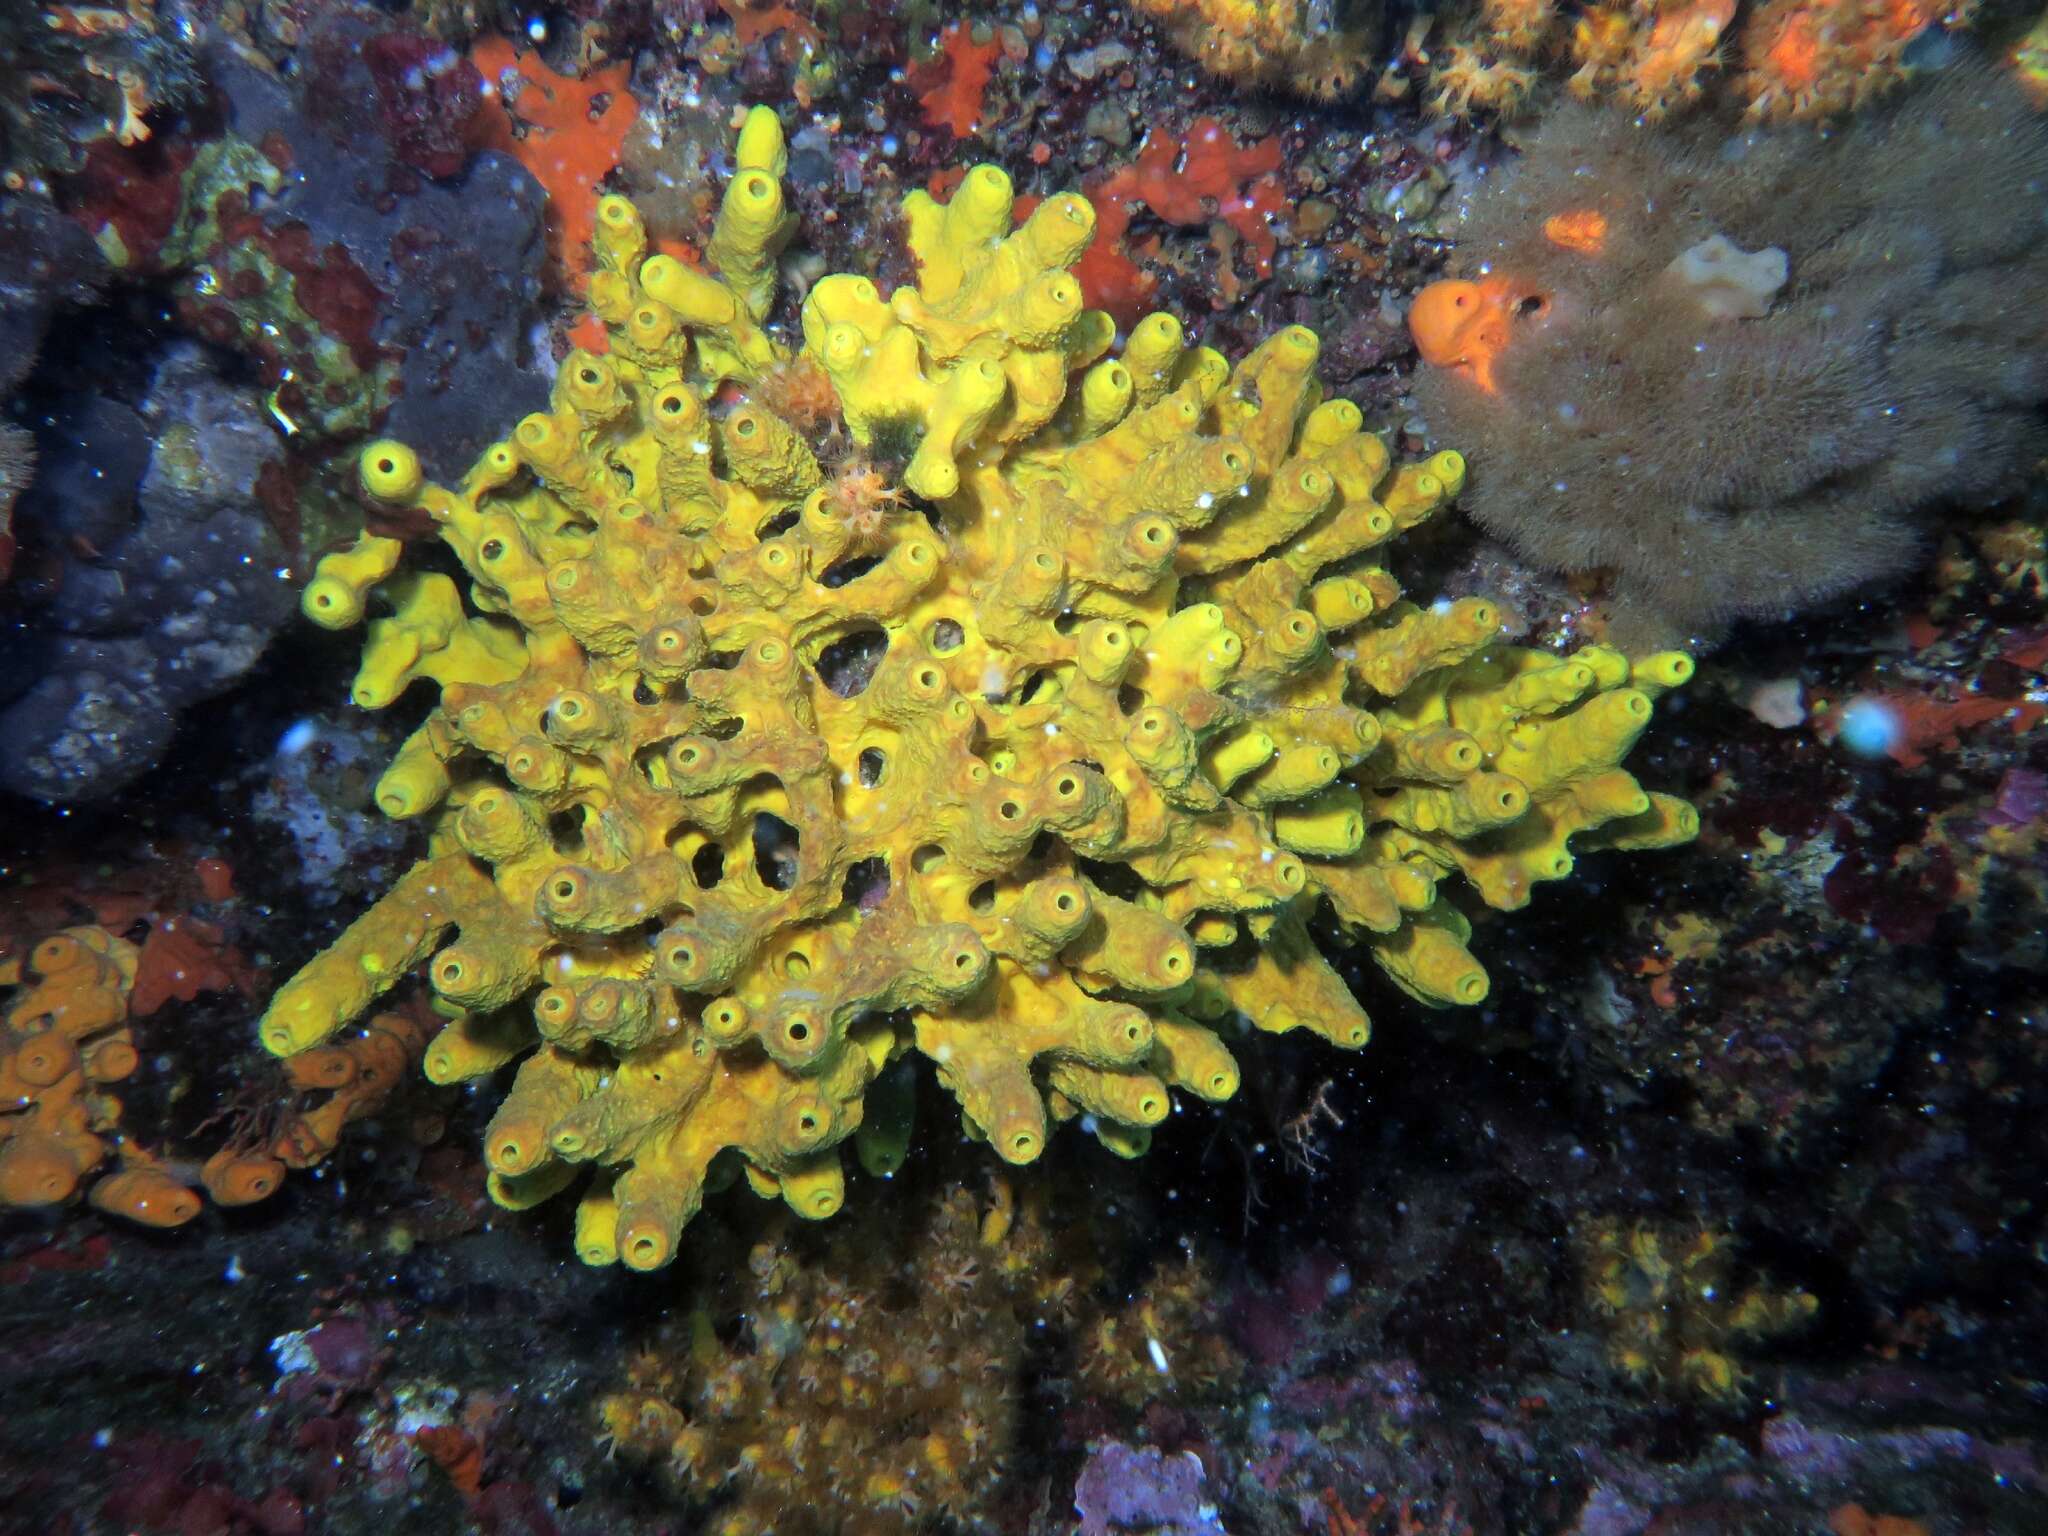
(1582, 229)
(1794, 57)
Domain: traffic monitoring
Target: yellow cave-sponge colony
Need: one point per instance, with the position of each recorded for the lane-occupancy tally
(1034, 761)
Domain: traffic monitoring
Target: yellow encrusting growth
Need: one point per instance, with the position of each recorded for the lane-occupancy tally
(738, 796)
(1673, 1313)
(1289, 44)
(873, 1384)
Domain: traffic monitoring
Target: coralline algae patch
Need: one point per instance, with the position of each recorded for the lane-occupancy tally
(571, 134)
(1136, 700)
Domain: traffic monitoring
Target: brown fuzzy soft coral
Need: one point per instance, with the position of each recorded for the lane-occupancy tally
(17, 468)
(1742, 370)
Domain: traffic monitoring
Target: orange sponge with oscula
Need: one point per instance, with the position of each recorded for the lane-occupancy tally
(235, 1176)
(145, 1193)
(1464, 327)
(61, 1038)
(64, 1038)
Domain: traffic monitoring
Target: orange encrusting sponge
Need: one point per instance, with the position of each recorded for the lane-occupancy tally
(65, 1040)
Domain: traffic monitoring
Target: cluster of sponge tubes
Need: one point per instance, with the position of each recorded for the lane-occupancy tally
(66, 1041)
(1038, 775)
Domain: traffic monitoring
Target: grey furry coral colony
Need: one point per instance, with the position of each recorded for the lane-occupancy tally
(1744, 369)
